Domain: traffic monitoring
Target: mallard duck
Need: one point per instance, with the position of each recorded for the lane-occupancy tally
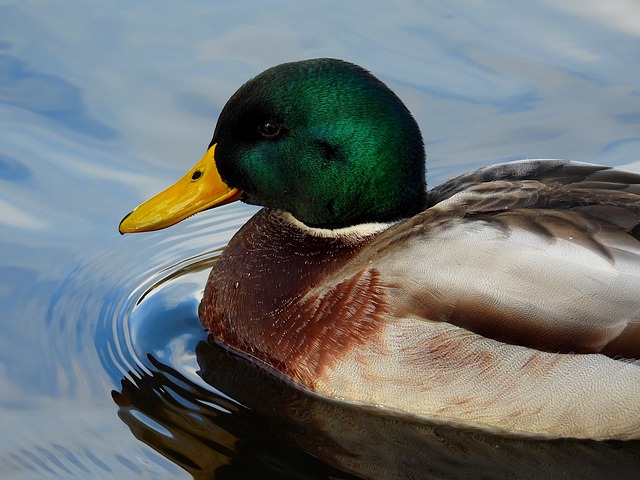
(506, 299)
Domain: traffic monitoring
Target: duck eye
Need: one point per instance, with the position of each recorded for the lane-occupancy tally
(196, 175)
(269, 130)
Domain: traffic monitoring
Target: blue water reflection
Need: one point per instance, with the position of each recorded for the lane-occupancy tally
(103, 104)
(48, 95)
(12, 170)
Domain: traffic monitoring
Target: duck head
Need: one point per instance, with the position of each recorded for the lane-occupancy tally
(322, 139)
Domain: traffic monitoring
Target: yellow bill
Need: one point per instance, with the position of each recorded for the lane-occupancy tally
(200, 189)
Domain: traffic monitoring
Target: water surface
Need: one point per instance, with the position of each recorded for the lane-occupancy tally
(105, 371)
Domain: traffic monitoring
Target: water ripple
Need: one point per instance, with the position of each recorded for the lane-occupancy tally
(111, 312)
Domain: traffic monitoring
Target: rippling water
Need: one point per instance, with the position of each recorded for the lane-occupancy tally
(105, 370)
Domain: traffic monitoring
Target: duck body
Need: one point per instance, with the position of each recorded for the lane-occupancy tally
(482, 309)
(505, 299)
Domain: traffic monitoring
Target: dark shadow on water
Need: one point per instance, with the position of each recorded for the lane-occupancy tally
(251, 425)
(211, 436)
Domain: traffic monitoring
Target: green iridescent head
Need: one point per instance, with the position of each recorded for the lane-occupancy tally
(324, 140)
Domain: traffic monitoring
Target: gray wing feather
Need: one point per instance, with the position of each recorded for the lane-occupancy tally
(544, 254)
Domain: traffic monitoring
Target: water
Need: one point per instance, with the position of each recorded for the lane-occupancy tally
(105, 371)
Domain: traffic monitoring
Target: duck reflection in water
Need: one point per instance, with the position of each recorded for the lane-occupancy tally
(252, 425)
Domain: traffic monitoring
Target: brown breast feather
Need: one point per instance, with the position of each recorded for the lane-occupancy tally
(263, 298)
